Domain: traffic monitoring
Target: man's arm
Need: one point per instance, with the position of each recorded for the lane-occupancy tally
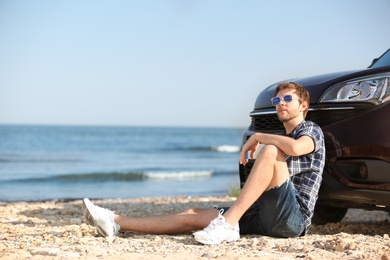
(290, 146)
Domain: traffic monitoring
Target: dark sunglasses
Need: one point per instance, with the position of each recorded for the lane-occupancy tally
(276, 100)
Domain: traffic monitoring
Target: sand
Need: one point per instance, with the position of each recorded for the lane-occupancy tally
(56, 230)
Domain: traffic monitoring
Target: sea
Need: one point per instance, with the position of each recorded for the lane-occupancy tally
(71, 162)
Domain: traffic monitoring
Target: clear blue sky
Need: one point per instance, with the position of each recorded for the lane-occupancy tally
(172, 62)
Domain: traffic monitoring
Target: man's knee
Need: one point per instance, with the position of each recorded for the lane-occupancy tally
(199, 211)
(190, 211)
(198, 218)
(271, 152)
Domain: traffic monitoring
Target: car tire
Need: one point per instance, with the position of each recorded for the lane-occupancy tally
(323, 215)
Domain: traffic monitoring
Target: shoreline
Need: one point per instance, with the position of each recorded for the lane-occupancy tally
(130, 199)
(55, 229)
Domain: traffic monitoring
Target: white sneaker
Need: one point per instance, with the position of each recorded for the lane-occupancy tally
(217, 232)
(101, 218)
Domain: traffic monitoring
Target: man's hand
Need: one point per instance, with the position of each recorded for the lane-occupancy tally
(250, 145)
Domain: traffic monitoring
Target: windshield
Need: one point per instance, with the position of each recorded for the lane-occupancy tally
(382, 61)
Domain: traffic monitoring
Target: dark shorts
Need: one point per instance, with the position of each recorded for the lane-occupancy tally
(276, 213)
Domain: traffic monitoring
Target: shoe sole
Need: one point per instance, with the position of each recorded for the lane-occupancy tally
(90, 219)
(87, 214)
(210, 242)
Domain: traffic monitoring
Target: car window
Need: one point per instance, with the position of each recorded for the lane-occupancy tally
(382, 61)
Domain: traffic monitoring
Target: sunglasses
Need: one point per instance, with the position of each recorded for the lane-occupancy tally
(276, 100)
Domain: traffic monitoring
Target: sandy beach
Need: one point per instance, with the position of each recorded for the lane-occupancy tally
(56, 230)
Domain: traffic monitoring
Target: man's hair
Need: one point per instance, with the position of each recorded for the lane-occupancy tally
(301, 92)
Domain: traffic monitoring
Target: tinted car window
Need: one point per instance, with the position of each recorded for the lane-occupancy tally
(384, 60)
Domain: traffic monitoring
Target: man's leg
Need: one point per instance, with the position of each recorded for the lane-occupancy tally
(269, 170)
(108, 223)
(189, 220)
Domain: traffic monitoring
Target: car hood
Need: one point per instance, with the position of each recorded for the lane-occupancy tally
(316, 85)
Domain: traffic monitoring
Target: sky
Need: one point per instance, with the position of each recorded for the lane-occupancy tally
(195, 63)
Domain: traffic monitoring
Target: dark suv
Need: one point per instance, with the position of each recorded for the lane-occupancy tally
(353, 110)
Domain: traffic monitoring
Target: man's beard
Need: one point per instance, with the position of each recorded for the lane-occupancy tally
(288, 117)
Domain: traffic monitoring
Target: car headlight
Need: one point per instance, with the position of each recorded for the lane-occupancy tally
(374, 89)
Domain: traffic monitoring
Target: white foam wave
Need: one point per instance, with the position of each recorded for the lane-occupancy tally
(227, 148)
(178, 175)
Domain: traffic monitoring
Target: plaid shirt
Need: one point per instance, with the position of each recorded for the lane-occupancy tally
(306, 170)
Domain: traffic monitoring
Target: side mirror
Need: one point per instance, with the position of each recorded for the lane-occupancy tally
(373, 61)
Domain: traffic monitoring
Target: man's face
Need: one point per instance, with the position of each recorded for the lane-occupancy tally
(288, 111)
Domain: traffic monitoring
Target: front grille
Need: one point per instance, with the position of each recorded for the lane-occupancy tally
(266, 123)
(269, 123)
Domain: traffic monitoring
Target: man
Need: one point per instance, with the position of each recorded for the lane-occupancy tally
(277, 199)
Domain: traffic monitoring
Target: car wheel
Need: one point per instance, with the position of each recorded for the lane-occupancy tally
(323, 215)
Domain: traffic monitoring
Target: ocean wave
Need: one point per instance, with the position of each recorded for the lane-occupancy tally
(226, 148)
(118, 176)
(219, 148)
(178, 175)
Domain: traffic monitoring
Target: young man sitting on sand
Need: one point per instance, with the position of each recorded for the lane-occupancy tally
(277, 199)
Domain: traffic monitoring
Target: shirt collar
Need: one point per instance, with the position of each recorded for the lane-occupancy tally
(295, 129)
